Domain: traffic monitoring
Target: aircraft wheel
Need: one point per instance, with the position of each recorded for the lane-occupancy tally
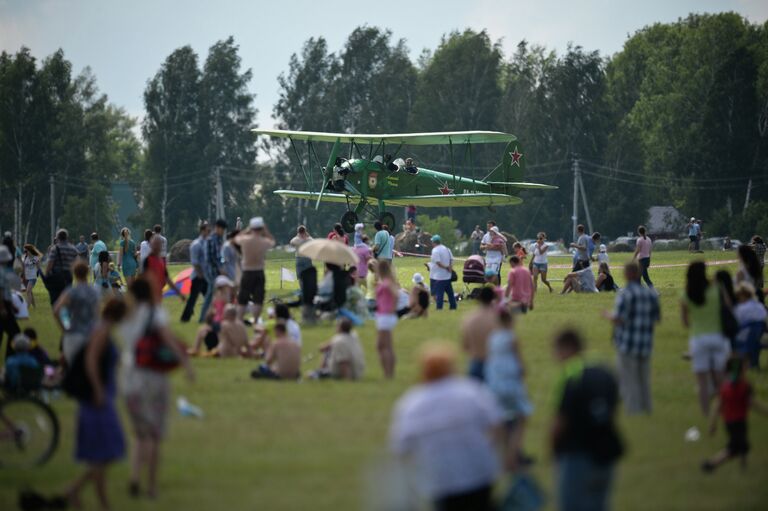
(348, 221)
(388, 219)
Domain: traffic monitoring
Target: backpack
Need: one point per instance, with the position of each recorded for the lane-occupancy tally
(152, 352)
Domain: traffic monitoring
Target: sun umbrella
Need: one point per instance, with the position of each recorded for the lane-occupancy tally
(329, 251)
(183, 282)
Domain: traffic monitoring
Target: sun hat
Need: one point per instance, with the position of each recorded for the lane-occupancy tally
(256, 222)
(436, 238)
(603, 248)
(223, 281)
(5, 254)
(693, 219)
(359, 226)
(495, 229)
(417, 278)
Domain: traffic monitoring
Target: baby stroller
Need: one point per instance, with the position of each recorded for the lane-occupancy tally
(473, 273)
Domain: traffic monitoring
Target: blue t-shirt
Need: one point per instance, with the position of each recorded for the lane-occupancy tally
(98, 248)
(13, 366)
(382, 240)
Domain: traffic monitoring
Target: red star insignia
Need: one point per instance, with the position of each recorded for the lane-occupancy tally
(516, 157)
(445, 190)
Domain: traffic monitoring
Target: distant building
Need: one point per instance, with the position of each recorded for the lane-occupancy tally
(665, 222)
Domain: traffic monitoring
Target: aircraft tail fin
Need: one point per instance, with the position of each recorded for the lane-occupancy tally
(512, 166)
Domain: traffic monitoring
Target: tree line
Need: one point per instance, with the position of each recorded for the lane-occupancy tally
(678, 117)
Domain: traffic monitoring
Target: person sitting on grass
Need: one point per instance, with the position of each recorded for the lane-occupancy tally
(605, 282)
(36, 350)
(19, 360)
(343, 357)
(581, 281)
(418, 300)
(208, 333)
(490, 282)
(233, 336)
(736, 398)
(115, 281)
(283, 358)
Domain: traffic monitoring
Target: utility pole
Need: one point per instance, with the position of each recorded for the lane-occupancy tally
(17, 215)
(219, 195)
(749, 192)
(53, 207)
(576, 177)
(165, 200)
(584, 200)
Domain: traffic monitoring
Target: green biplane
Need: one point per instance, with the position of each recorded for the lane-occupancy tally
(375, 180)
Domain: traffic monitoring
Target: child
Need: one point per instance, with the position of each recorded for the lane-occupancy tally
(35, 349)
(602, 256)
(209, 332)
(371, 281)
(520, 251)
(115, 282)
(735, 402)
(16, 362)
(490, 281)
(505, 374)
(343, 356)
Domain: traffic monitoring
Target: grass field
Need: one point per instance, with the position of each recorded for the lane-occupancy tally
(309, 445)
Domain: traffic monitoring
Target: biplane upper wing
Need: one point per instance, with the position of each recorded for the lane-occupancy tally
(327, 197)
(438, 138)
(455, 201)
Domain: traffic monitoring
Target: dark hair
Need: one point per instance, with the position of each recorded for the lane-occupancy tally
(569, 340)
(114, 310)
(31, 333)
(514, 259)
(596, 236)
(148, 234)
(377, 225)
(141, 290)
(641, 231)
(280, 328)
(579, 228)
(62, 235)
(157, 228)
(725, 281)
(345, 325)
(301, 229)
(282, 311)
(491, 222)
(203, 226)
(104, 256)
(487, 295)
(735, 367)
(757, 240)
(339, 229)
(696, 282)
(221, 223)
(751, 263)
(94, 235)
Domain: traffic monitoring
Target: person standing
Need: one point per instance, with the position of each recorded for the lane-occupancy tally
(99, 440)
(82, 249)
(98, 247)
(749, 270)
(144, 247)
(11, 245)
(58, 271)
(364, 255)
(693, 235)
(581, 257)
(76, 311)
(199, 261)
(254, 244)
(147, 390)
(382, 243)
(8, 324)
(446, 426)
(158, 231)
(494, 246)
(476, 238)
(386, 317)
(708, 347)
(126, 256)
(214, 266)
(475, 330)
(540, 262)
(585, 439)
(338, 234)
(302, 263)
(758, 245)
(31, 261)
(441, 273)
(643, 254)
(520, 291)
(156, 270)
(634, 317)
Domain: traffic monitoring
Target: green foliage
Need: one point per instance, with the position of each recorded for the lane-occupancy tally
(445, 226)
(742, 225)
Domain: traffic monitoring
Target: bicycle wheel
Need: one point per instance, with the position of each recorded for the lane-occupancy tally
(29, 432)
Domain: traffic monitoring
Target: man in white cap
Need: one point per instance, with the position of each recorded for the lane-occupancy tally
(254, 244)
(694, 229)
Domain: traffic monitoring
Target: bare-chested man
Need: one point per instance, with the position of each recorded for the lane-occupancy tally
(476, 328)
(233, 336)
(283, 358)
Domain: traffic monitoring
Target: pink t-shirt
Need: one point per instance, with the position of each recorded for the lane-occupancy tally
(385, 299)
(644, 247)
(521, 283)
(363, 256)
(218, 310)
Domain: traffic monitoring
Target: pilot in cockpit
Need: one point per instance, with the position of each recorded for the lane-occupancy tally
(410, 166)
(340, 171)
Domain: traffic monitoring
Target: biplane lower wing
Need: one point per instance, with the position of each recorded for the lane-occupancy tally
(455, 201)
(523, 185)
(327, 197)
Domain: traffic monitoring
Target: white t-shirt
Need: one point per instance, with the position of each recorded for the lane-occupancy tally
(445, 427)
(403, 299)
(492, 256)
(440, 254)
(539, 257)
(144, 250)
(294, 331)
(164, 250)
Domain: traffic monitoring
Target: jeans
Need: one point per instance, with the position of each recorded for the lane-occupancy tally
(583, 485)
(208, 299)
(440, 287)
(645, 262)
(477, 500)
(199, 287)
(635, 382)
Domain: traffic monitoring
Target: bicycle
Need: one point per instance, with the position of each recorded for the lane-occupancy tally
(29, 428)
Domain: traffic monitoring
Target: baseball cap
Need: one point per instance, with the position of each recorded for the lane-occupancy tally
(418, 278)
(693, 219)
(436, 238)
(256, 222)
(223, 281)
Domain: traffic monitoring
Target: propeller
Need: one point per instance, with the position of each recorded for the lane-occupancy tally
(328, 171)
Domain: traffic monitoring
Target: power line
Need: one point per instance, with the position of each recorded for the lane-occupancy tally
(666, 178)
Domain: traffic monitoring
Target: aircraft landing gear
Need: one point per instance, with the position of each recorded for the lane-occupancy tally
(348, 221)
(388, 219)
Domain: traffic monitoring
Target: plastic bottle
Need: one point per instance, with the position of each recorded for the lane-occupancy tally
(187, 409)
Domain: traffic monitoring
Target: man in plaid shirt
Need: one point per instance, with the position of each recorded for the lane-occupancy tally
(214, 264)
(634, 317)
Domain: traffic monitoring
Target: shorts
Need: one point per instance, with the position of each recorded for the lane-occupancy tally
(693, 238)
(476, 369)
(386, 322)
(251, 287)
(147, 404)
(495, 266)
(738, 444)
(541, 267)
(709, 352)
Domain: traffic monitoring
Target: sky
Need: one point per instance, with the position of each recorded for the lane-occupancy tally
(125, 42)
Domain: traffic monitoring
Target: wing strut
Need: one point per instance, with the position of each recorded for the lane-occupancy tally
(328, 171)
(301, 165)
